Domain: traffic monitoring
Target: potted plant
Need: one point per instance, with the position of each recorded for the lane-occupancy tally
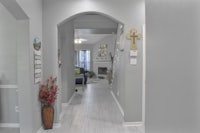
(47, 97)
(91, 74)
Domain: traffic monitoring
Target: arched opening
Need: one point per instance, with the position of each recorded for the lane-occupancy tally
(90, 13)
(100, 49)
(129, 81)
(93, 27)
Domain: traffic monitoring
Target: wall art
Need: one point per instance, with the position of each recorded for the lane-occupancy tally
(37, 60)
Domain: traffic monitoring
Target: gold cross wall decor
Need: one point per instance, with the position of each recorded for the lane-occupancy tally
(133, 36)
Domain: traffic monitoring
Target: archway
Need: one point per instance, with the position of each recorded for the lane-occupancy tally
(132, 16)
(66, 30)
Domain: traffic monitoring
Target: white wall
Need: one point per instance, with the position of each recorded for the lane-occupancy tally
(118, 62)
(132, 16)
(94, 22)
(8, 52)
(23, 77)
(66, 36)
(24, 57)
(172, 93)
(110, 41)
(8, 69)
(31, 106)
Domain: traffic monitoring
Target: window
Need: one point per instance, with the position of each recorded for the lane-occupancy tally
(84, 59)
(75, 58)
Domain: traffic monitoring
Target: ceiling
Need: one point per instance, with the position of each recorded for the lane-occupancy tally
(93, 28)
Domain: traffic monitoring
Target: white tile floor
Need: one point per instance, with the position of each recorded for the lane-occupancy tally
(93, 111)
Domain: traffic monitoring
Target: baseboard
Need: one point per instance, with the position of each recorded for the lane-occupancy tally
(133, 124)
(118, 104)
(62, 113)
(10, 125)
(70, 100)
(61, 116)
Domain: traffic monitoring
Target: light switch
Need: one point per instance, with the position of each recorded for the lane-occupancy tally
(133, 61)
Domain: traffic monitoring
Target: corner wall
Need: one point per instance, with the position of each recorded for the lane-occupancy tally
(66, 37)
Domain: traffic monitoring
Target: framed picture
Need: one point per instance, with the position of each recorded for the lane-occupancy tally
(103, 50)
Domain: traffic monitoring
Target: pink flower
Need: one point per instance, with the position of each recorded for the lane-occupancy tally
(48, 91)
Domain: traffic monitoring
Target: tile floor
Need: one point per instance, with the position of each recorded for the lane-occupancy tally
(93, 110)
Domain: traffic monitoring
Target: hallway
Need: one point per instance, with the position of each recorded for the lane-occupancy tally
(93, 111)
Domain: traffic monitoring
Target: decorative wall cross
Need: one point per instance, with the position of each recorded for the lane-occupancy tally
(133, 36)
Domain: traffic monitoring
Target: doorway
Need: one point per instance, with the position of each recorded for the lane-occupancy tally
(16, 113)
(94, 45)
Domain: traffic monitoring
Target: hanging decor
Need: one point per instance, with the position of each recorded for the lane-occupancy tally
(133, 36)
(37, 60)
(103, 50)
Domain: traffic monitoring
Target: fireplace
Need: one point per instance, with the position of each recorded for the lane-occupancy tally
(102, 70)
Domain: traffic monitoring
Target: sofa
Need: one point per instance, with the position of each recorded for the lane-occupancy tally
(80, 70)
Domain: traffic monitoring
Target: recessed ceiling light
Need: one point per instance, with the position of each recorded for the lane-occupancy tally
(79, 40)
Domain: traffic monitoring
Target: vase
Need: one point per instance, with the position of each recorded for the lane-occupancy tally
(47, 116)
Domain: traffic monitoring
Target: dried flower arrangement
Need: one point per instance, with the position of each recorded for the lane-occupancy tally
(48, 91)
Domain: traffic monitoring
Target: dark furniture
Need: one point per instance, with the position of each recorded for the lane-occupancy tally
(80, 80)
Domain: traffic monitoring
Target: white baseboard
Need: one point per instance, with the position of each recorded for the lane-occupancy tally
(61, 116)
(64, 105)
(10, 125)
(133, 124)
(118, 104)
(70, 100)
